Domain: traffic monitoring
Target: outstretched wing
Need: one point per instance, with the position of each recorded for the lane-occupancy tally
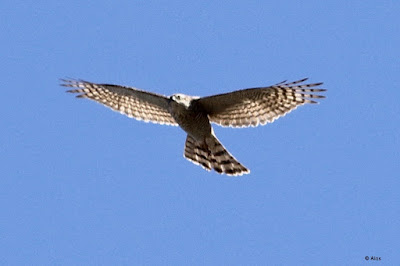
(141, 105)
(251, 107)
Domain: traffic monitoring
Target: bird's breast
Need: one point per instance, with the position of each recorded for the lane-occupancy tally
(194, 122)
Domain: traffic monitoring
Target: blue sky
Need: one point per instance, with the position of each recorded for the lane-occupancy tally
(82, 185)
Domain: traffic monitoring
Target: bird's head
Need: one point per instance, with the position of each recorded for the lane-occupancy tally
(182, 99)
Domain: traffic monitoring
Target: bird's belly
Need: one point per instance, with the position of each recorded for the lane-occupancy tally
(195, 124)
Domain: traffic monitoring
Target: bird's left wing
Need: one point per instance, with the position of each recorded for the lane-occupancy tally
(251, 107)
(141, 105)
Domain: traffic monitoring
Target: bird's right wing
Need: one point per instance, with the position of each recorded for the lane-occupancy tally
(141, 105)
(255, 106)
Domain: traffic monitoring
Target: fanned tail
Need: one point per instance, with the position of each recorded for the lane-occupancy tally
(211, 154)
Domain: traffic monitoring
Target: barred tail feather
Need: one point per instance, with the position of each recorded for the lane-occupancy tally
(211, 154)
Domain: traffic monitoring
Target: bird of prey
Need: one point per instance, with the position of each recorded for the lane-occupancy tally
(241, 108)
